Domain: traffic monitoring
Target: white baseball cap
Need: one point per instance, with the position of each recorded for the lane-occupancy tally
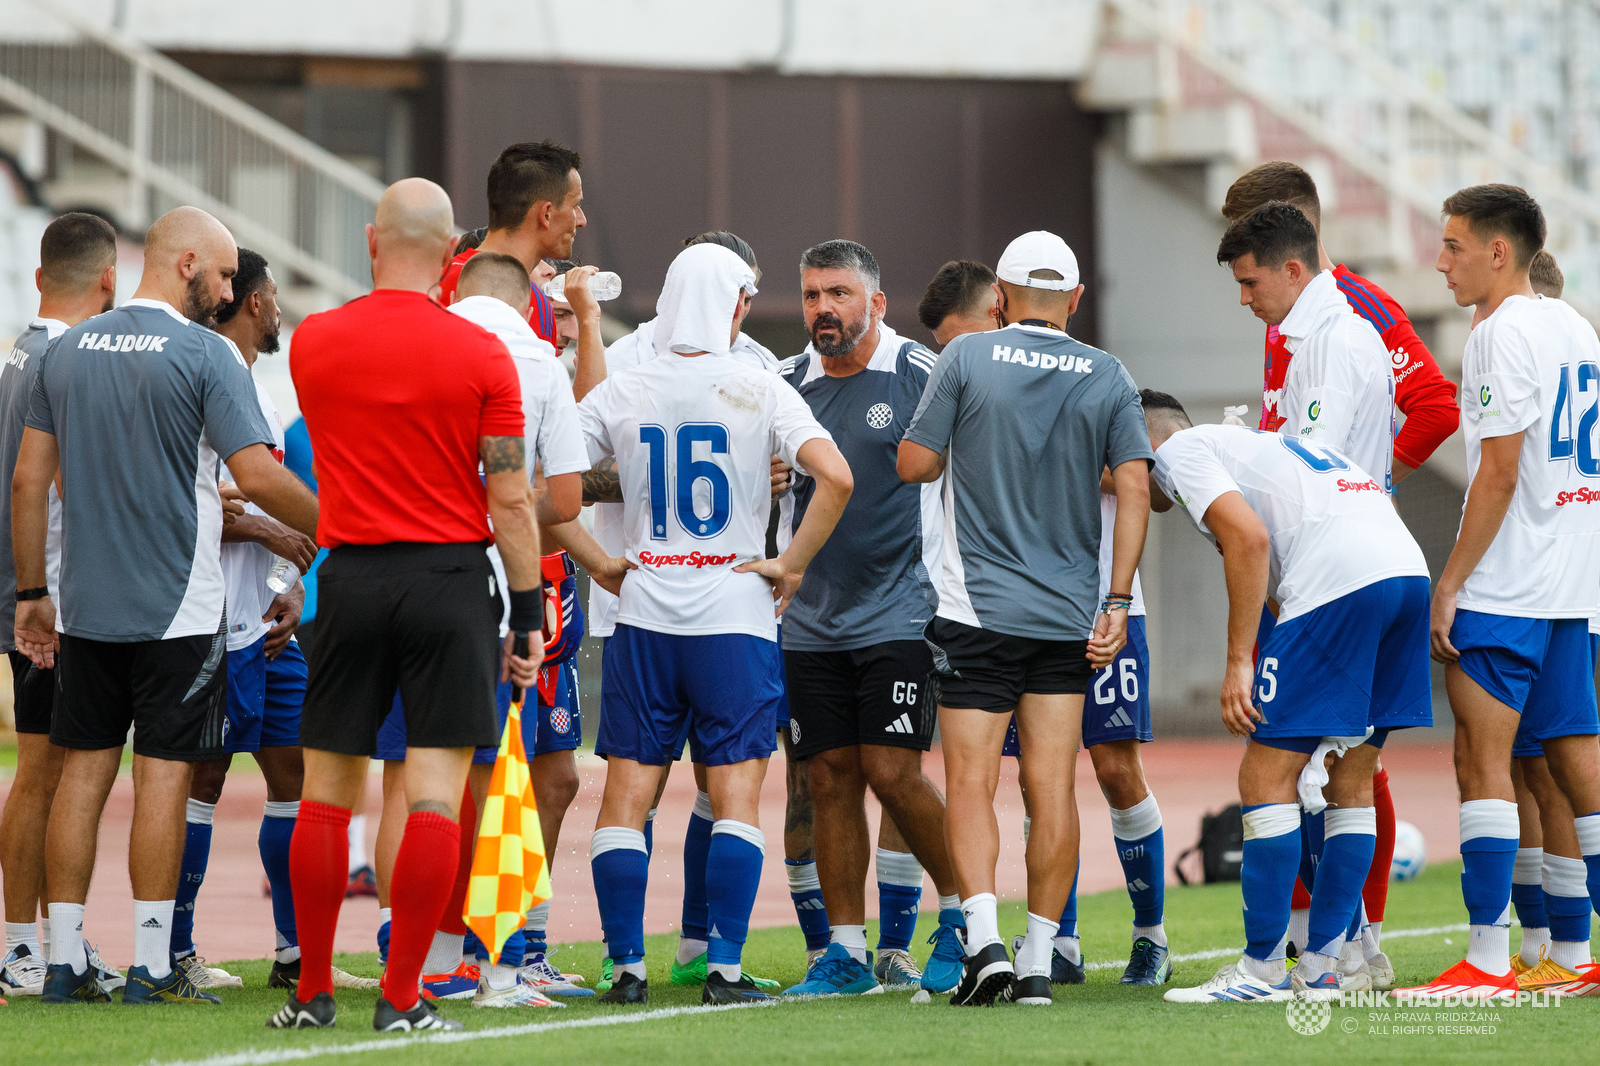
(1039, 250)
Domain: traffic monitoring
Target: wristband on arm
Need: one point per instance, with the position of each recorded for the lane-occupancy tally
(527, 610)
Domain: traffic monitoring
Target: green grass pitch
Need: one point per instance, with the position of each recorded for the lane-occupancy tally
(1100, 1022)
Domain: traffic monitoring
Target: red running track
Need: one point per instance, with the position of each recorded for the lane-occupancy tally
(1189, 777)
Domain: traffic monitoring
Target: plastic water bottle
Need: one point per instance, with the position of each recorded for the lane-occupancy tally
(603, 286)
(280, 579)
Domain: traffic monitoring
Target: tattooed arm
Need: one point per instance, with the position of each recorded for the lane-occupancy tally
(515, 534)
(603, 484)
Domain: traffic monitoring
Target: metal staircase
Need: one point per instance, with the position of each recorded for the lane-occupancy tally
(178, 139)
(1392, 105)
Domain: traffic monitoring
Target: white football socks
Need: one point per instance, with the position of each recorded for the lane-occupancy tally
(444, 954)
(1300, 927)
(1489, 948)
(358, 841)
(21, 934)
(1157, 934)
(983, 923)
(1535, 942)
(853, 938)
(689, 950)
(1034, 956)
(1071, 948)
(952, 902)
(152, 935)
(66, 947)
(1272, 971)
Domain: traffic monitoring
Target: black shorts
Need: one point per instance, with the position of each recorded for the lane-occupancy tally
(173, 693)
(990, 671)
(420, 618)
(871, 695)
(33, 693)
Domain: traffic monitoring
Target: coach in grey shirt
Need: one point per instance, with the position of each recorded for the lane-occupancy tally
(136, 407)
(1022, 421)
(854, 658)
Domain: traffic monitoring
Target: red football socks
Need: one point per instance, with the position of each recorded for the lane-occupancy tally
(452, 921)
(1375, 893)
(319, 869)
(424, 875)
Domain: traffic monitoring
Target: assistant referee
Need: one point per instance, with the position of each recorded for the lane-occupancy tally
(402, 399)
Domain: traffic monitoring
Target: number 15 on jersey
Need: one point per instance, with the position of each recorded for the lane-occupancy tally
(703, 518)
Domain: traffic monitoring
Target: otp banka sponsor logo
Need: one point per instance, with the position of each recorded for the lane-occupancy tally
(122, 342)
(1041, 360)
(1484, 396)
(1315, 410)
(1399, 357)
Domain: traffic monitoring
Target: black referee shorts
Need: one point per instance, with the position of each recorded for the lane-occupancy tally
(33, 694)
(423, 618)
(990, 670)
(871, 695)
(172, 692)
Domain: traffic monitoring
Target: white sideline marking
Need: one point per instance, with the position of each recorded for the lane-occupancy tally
(1219, 953)
(399, 1042)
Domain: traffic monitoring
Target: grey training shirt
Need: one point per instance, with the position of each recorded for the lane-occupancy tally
(16, 392)
(870, 582)
(1030, 417)
(143, 404)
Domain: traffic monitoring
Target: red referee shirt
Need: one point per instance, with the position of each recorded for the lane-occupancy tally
(1424, 395)
(541, 315)
(396, 391)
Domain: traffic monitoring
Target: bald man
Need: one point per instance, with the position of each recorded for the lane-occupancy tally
(402, 400)
(137, 408)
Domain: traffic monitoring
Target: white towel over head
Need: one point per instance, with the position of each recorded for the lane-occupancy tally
(695, 309)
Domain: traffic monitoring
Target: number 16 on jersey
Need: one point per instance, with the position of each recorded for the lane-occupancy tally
(701, 518)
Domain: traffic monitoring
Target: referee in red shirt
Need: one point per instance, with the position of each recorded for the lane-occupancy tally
(402, 400)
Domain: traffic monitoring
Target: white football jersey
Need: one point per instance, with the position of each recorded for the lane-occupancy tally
(1339, 389)
(693, 437)
(551, 415)
(625, 354)
(245, 565)
(1534, 367)
(1332, 527)
(1108, 521)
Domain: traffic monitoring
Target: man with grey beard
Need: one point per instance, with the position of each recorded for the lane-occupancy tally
(854, 656)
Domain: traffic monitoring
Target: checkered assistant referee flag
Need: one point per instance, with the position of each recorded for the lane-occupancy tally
(509, 871)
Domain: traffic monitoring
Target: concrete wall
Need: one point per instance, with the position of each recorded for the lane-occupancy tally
(919, 170)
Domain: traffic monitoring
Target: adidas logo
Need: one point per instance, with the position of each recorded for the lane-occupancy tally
(151, 923)
(900, 725)
(1119, 717)
(810, 905)
(1137, 885)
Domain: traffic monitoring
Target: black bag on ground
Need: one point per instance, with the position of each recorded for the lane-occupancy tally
(1221, 847)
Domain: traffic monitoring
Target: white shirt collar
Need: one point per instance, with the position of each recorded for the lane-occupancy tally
(53, 327)
(1317, 301)
(882, 356)
(1046, 330)
(140, 301)
(501, 319)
